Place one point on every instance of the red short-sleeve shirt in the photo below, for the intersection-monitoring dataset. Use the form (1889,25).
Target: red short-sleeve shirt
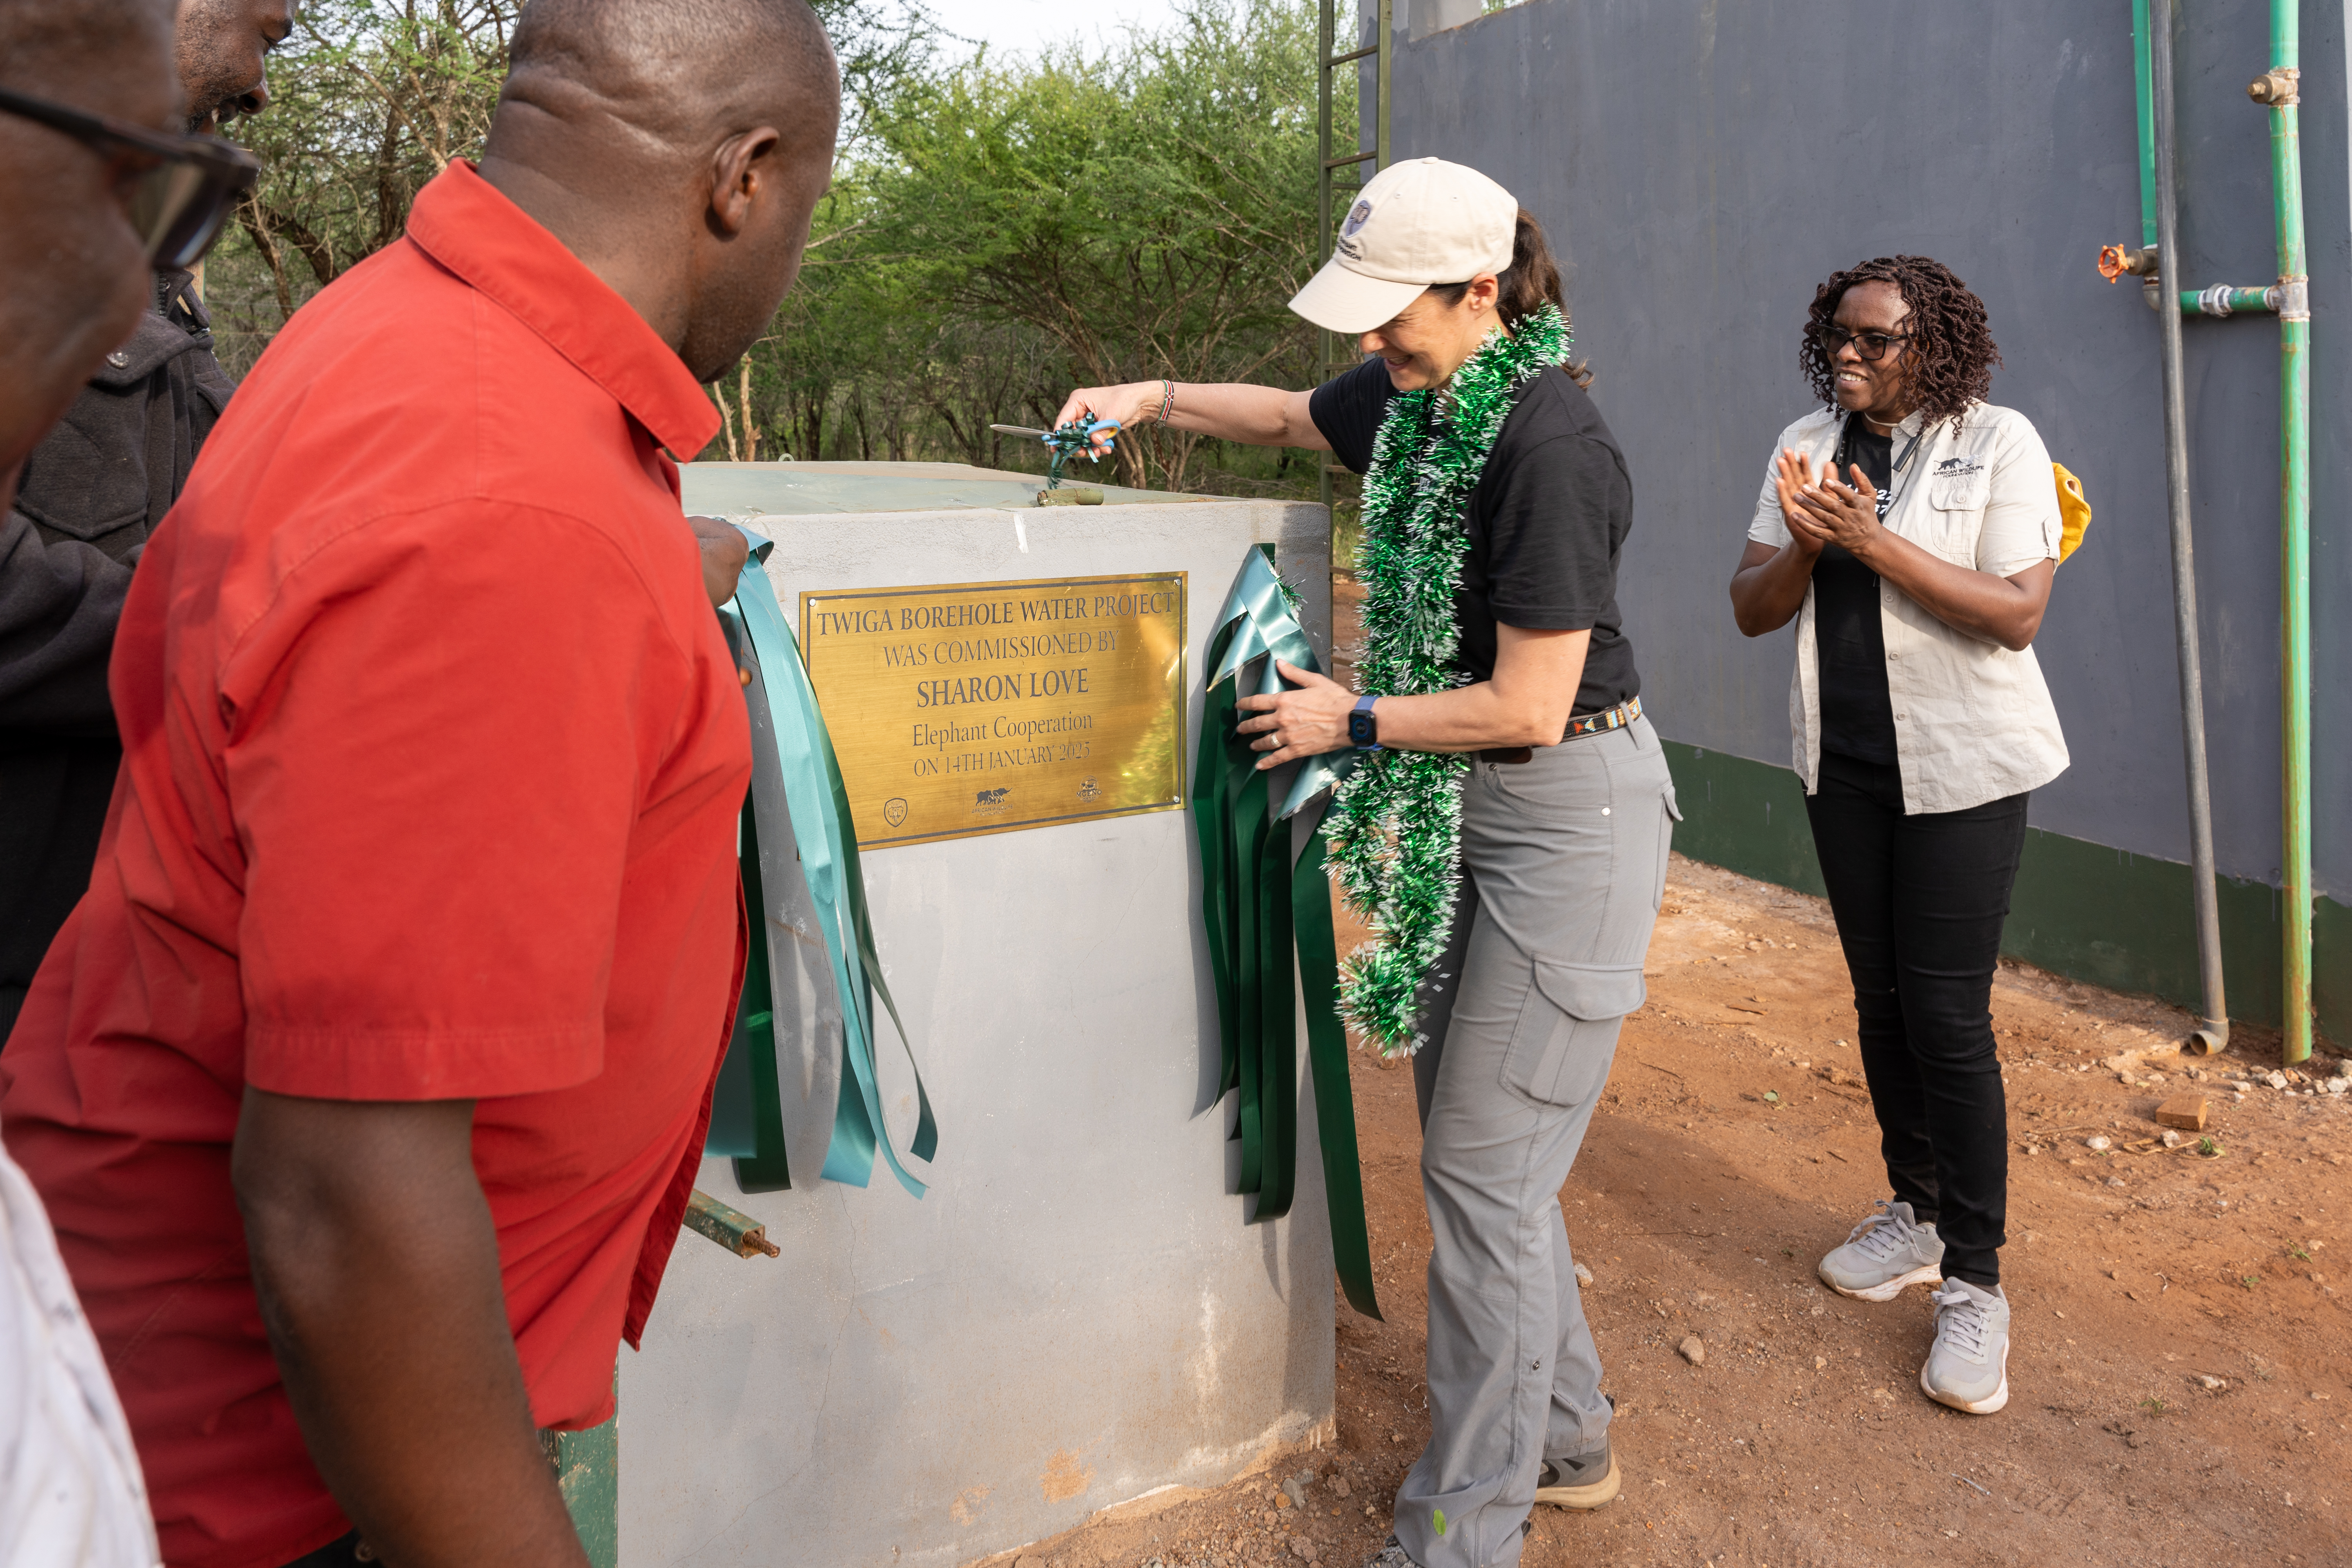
(433,754)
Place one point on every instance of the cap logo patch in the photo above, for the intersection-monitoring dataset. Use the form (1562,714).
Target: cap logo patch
(1358,216)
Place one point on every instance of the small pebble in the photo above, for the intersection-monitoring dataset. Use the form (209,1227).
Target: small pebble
(1693,1351)
(2211,1384)
(2099,1144)
(1583,1275)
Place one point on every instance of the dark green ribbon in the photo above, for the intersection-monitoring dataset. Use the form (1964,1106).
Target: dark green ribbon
(808,803)
(1258,908)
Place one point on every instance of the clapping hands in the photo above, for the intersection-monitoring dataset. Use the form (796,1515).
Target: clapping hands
(1821,509)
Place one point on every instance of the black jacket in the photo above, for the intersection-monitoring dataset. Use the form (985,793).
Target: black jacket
(91,492)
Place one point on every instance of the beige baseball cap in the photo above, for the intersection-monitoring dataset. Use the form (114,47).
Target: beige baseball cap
(1414,224)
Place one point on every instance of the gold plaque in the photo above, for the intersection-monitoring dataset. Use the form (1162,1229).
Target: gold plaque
(972,708)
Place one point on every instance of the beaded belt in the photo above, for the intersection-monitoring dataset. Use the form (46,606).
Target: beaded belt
(1607,719)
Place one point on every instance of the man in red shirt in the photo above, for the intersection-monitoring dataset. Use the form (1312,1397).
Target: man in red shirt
(366,1083)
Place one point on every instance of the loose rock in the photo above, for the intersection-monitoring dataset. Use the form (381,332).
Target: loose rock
(1339,1486)
(1693,1351)
(1302,1549)
(2211,1384)
(1583,1275)
(2099,1143)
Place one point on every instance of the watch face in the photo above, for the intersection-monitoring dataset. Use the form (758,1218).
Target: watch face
(1361,727)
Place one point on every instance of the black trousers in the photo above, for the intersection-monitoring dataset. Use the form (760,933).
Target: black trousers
(1920,902)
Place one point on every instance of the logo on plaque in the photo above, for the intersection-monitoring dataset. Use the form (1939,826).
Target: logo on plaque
(972,708)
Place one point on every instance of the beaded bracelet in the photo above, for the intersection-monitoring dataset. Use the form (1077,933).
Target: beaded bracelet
(1167,400)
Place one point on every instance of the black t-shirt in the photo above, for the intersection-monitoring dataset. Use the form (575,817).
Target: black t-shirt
(1546,521)
(1849,638)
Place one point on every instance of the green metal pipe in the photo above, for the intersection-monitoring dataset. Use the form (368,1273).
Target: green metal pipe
(2222,299)
(2146,124)
(2295,518)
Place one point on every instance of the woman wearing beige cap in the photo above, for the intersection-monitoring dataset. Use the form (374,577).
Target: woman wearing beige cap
(1505,831)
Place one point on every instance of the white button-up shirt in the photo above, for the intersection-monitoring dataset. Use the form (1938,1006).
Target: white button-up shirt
(1973,722)
(70,1494)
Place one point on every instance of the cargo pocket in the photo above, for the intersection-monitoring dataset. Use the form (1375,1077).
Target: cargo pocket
(1567,1030)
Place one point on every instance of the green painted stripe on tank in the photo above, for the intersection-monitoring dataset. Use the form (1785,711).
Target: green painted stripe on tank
(2082,910)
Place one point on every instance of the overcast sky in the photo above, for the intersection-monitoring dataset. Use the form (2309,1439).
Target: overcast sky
(1021,27)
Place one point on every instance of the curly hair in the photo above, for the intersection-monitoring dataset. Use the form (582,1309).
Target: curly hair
(1950,355)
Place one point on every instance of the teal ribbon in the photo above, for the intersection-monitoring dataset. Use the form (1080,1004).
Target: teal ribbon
(1258,908)
(1259,623)
(814,812)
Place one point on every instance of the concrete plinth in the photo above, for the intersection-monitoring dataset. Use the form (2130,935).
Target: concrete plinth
(1076,1313)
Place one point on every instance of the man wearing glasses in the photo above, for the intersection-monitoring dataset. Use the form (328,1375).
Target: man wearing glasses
(93,489)
(94,203)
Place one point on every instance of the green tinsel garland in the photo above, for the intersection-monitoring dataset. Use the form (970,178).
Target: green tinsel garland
(1395,824)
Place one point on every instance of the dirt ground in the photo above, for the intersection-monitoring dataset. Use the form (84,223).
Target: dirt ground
(2180,1382)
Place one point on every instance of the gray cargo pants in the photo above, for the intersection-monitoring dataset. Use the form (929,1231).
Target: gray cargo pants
(1565,863)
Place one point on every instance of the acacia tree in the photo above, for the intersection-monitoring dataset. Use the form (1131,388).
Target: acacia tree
(372,99)
(1144,211)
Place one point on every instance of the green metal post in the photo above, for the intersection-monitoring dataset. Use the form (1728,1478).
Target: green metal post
(2146,124)
(2295,521)
(588,1473)
(1380,112)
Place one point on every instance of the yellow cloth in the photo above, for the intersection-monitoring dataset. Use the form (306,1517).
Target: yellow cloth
(2074,511)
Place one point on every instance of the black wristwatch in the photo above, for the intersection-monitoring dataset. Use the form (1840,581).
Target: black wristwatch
(1364,725)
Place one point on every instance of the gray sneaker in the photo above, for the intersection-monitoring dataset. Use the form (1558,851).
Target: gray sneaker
(1586,1481)
(1389,1556)
(1968,1368)
(1883,1255)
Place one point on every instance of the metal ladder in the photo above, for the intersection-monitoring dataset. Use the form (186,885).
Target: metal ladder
(1330,358)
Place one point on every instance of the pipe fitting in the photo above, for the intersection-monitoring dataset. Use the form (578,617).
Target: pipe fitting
(2279,89)
(2291,297)
(2215,302)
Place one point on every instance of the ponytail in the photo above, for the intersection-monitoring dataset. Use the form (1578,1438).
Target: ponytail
(1529,283)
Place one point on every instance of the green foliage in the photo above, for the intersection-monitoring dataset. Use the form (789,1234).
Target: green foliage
(997,233)
(369,100)
(1007,232)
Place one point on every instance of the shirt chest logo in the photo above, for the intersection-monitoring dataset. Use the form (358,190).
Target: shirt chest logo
(1958,468)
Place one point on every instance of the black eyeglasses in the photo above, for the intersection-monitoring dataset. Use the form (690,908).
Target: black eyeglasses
(185,195)
(1872,346)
